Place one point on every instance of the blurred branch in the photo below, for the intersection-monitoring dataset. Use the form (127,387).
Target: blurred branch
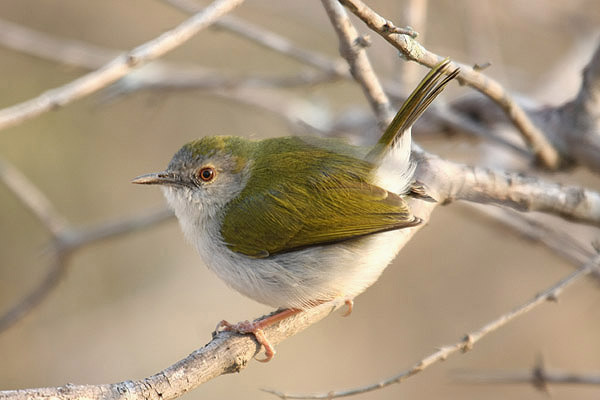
(412,50)
(270,40)
(560,242)
(538,376)
(117,68)
(34,298)
(352,49)
(65,239)
(415,16)
(32,198)
(465,344)
(161,75)
(575,125)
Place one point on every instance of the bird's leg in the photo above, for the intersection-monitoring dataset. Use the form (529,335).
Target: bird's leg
(350,306)
(257,329)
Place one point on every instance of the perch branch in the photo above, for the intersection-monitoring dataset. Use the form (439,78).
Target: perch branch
(116,68)
(225,353)
(412,50)
(465,344)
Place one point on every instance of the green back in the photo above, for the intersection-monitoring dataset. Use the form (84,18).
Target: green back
(308,191)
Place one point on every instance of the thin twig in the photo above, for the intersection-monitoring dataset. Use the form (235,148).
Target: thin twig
(360,66)
(34,298)
(163,75)
(65,239)
(412,50)
(560,242)
(270,40)
(77,238)
(465,344)
(117,68)
(534,377)
(33,198)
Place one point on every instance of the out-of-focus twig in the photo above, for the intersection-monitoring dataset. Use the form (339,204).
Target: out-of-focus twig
(415,16)
(412,50)
(539,376)
(65,239)
(560,242)
(465,344)
(270,40)
(32,197)
(117,68)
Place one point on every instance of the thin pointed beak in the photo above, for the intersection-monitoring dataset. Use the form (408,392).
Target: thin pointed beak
(160,178)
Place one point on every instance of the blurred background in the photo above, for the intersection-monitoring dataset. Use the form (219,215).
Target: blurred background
(128,307)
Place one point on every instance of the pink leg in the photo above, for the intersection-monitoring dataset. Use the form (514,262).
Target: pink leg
(350,304)
(257,329)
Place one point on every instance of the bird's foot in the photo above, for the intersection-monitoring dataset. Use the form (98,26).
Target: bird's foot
(350,306)
(256,328)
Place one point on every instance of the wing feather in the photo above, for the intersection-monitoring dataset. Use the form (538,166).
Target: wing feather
(302,195)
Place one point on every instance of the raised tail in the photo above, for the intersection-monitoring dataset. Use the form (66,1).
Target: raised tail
(420,98)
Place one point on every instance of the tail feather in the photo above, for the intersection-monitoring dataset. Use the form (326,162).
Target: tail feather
(414,106)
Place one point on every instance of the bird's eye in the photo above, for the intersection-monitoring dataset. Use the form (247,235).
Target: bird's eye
(206,174)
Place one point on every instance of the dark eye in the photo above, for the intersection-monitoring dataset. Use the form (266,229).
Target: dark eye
(206,174)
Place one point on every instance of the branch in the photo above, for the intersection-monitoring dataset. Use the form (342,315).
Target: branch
(117,68)
(65,239)
(360,67)
(538,377)
(564,244)
(465,344)
(576,124)
(453,181)
(226,353)
(271,40)
(412,50)
(32,198)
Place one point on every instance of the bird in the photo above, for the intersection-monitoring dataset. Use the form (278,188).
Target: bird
(297,221)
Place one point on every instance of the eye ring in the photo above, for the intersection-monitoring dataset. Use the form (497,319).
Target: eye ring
(206,174)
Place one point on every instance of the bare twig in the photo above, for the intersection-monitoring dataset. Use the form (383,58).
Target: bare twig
(559,241)
(576,124)
(412,50)
(415,16)
(34,298)
(534,377)
(464,344)
(360,67)
(117,68)
(270,40)
(32,197)
(538,376)
(65,239)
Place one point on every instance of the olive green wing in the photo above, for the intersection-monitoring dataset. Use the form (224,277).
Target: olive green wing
(310,198)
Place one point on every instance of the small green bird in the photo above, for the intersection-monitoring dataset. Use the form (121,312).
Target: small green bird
(293,222)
